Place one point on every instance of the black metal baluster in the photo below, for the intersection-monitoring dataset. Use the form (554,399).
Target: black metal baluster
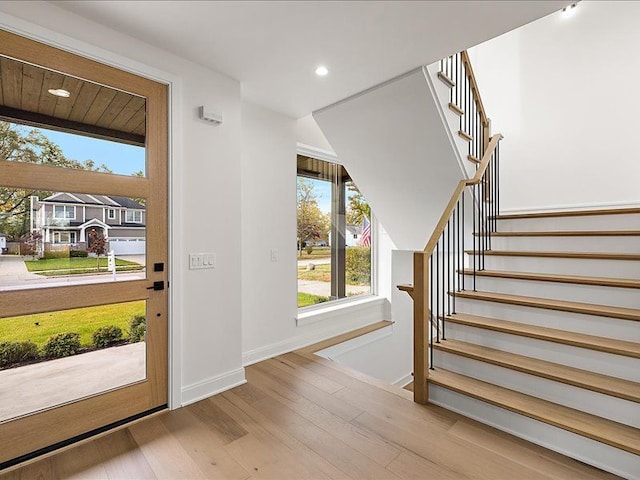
(464,191)
(475,235)
(431,287)
(437,293)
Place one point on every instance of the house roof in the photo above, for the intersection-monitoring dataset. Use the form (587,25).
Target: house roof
(354,229)
(100,200)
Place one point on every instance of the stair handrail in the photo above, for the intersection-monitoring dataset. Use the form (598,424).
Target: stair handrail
(477,178)
(474,87)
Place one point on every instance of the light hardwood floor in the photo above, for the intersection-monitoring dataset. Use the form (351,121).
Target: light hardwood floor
(304,417)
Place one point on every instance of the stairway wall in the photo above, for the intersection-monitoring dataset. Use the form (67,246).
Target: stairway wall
(564,93)
(394,143)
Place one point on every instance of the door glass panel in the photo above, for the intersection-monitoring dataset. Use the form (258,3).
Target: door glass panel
(63,238)
(48,359)
(63,121)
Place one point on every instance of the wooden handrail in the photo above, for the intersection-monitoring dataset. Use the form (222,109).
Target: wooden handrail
(474,87)
(477,178)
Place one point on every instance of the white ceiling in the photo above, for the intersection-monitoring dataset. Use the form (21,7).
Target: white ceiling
(273,47)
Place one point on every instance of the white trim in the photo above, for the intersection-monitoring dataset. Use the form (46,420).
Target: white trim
(294,343)
(65,193)
(335,351)
(318,153)
(330,309)
(571,208)
(133,212)
(212,386)
(403,381)
(109,210)
(60,40)
(65,207)
(94,221)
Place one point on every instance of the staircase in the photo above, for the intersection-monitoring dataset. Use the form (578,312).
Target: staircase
(530,322)
(551,335)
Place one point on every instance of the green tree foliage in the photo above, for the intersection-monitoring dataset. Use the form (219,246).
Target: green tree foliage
(312,223)
(30,147)
(357,208)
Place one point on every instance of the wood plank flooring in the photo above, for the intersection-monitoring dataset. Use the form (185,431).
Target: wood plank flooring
(304,417)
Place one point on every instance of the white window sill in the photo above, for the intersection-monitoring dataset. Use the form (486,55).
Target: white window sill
(318,314)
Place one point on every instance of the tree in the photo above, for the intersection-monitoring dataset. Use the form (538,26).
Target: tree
(30,147)
(97,244)
(358,208)
(312,223)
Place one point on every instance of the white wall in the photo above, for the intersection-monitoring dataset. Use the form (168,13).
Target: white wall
(269,318)
(564,91)
(205,199)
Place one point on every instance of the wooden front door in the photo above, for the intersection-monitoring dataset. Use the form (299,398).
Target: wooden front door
(62,392)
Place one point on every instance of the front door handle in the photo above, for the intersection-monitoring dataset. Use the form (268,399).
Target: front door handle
(159,285)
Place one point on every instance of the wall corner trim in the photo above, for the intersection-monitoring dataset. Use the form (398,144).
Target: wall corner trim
(212,386)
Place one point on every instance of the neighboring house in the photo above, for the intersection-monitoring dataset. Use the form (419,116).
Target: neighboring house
(353,235)
(65,219)
(3,242)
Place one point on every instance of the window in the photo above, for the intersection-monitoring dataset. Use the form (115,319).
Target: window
(333,235)
(133,216)
(64,237)
(111,214)
(65,212)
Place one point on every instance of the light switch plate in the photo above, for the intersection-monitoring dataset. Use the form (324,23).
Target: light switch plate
(199,261)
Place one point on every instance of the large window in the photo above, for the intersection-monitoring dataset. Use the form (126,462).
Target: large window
(133,216)
(334,234)
(65,212)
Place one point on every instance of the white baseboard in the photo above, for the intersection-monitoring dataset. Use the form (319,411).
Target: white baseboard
(404,381)
(570,208)
(212,386)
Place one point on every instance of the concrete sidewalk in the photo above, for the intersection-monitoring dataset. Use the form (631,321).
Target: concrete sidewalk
(43,385)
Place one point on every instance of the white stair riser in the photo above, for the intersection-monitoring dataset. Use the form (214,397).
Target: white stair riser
(588,222)
(599,362)
(589,451)
(614,296)
(602,405)
(563,266)
(608,244)
(619,329)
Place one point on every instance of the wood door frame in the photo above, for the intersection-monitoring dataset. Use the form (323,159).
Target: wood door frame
(24,175)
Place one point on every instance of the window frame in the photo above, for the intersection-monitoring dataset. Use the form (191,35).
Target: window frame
(111,213)
(134,213)
(57,237)
(65,209)
(329,157)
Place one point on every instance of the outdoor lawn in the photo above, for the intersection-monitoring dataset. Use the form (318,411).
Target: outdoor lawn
(322,273)
(76,265)
(39,327)
(306,299)
(317,252)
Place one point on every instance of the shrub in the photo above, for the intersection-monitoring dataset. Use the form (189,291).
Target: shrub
(17,352)
(78,254)
(106,336)
(137,328)
(54,254)
(358,265)
(62,345)
(309,249)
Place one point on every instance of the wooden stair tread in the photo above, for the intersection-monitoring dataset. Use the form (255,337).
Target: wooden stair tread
(589,255)
(606,431)
(473,159)
(561,373)
(446,80)
(568,233)
(456,109)
(591,342)
(552,304)
(465,136)
(571,213)
(549,277)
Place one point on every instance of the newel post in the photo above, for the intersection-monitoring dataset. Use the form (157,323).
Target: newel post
(421,325)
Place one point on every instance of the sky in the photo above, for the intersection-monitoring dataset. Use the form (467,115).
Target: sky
(322,191)
(118,157)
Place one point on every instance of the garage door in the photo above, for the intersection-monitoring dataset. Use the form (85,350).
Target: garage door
(128,246)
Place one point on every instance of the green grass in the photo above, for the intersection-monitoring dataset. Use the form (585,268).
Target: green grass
(69,266)
(322,273)
(80,320)
(318,252)
(306,299)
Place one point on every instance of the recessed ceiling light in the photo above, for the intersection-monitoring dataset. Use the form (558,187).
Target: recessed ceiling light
(569,10)
(59,92)
(321,71)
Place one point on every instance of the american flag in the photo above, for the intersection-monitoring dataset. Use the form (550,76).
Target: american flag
(365,239)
